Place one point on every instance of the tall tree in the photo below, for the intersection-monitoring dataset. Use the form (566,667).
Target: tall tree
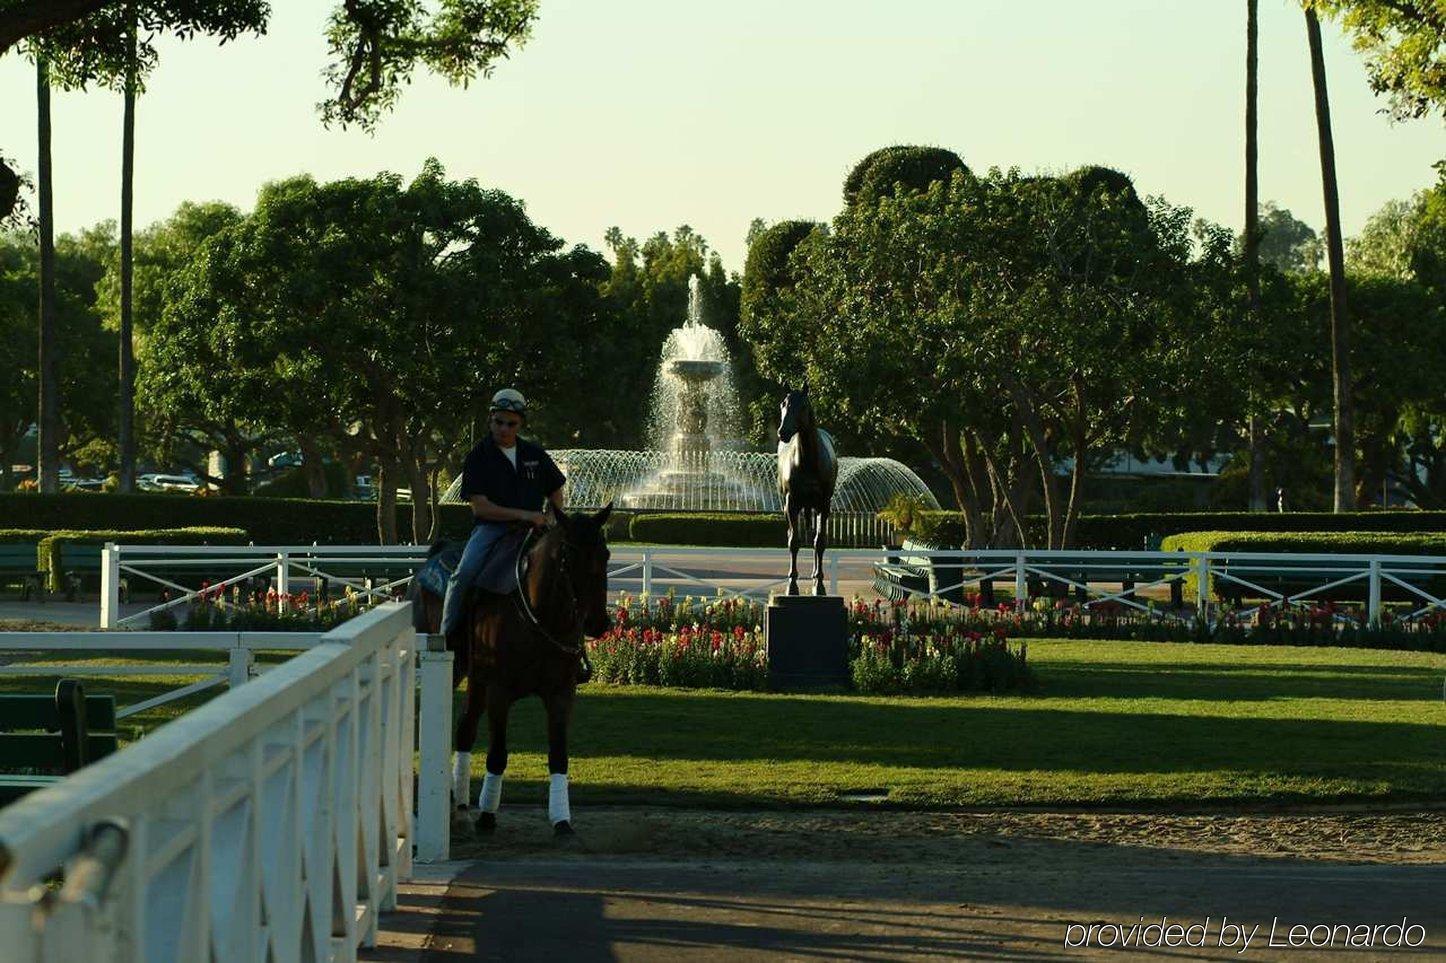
(1404,42)
(1345,436)
(48,423)
(1252,227)
(125,434)
(375,45)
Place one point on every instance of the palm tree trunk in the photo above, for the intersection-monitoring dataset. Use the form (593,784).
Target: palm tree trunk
(1345,482)
(1252,233)
(126,441)
(48,442)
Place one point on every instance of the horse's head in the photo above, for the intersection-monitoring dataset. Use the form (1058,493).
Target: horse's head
(584,542)
(794,414)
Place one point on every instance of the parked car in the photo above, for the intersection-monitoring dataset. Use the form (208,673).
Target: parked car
(284,459)
(167,483)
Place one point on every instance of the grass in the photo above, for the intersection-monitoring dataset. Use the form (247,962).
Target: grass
(1114,723)
(1135,724)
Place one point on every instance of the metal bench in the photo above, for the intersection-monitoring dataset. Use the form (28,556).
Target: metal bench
(55,735)
(18,563)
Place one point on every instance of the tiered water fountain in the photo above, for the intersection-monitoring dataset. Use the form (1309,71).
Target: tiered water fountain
(696,463)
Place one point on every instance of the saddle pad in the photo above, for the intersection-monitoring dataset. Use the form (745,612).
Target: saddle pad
(498,573)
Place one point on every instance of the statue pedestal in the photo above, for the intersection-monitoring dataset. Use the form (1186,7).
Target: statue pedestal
(807,638)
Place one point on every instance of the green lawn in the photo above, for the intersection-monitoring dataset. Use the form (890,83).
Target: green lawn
(1127,723)
(1113,723)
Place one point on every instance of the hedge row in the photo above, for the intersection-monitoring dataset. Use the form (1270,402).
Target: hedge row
(50,550)
(270,521)
(742,531)
(1149,530)
(1345,543)
(1307,543)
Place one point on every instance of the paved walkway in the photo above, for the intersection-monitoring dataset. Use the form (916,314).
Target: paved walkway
(1015,893)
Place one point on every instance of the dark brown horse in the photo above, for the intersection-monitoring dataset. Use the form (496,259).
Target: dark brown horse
(524,644)
(807,474)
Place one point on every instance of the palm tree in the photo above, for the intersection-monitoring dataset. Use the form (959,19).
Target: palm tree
(48,441)
(1340,321)
(126,441)
(1252,229)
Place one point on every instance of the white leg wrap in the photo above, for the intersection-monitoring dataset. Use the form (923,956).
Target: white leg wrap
(558,810)
(491,795)
(461,777)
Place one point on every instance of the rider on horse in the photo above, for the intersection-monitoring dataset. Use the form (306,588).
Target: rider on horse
(507,480)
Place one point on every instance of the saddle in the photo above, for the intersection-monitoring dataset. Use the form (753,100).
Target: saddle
(498,574)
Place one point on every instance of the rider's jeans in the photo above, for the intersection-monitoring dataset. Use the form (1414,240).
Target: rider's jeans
(484,536)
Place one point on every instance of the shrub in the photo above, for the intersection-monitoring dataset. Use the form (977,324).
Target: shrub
(50,558)
(740,530)
(271,521)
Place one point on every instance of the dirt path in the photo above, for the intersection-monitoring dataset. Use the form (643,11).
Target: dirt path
(658,884)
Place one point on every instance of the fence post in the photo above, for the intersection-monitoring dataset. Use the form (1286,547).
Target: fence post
(1373,604)
(434,735)
(283,580)
(109,586)
(1021,584)
(1202,585)
(647,572)
(833,575)
(238,667)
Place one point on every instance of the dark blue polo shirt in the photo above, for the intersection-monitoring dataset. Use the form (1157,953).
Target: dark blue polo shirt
(488,472)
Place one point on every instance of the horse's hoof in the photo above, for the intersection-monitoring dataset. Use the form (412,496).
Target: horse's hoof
(584,674)
(563,828)
(487,823)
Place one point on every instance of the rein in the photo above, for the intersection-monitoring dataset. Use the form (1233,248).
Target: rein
(520,599)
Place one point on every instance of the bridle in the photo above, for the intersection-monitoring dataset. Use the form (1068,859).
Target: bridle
(520,598)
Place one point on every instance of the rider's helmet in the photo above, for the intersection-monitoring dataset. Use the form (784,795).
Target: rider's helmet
(509,399)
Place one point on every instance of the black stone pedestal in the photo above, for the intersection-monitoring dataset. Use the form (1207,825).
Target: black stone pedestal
(807,638)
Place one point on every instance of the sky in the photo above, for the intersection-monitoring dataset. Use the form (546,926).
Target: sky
(648,114)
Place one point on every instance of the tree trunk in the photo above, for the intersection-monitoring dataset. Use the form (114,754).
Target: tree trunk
(126,442)
(386,489)
(312,468)
(1038,437)
(1252,235)
(235,452)
(1345,453)
(423,522)
(48,442)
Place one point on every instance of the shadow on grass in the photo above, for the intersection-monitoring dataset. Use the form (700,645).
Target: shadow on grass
(982,734)
(1237,681)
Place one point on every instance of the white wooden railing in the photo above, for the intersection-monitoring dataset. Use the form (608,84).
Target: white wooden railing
(755,572)
(272,823)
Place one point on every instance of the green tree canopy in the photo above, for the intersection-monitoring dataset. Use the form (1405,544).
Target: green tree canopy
(1404,43)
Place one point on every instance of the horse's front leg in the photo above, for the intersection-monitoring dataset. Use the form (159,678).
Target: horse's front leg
(490,798)
(792,550)
(464,738)
(559,717)
(820,542)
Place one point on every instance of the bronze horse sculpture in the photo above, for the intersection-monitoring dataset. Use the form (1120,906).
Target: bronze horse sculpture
(807,474)
(523,644)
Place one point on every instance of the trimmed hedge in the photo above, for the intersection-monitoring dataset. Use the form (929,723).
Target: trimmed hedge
(1148,530)
(736,530)
(1346,543)
(50,551)
(270,521)
(22,536)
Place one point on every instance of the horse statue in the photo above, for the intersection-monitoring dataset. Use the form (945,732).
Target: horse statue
(527,643)
(807,474)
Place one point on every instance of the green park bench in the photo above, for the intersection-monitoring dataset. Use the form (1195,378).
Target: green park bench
(18,564)
(49,737)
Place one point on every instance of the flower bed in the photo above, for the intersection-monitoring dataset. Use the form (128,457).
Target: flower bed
(1324,624)
(690,642)
(232,610)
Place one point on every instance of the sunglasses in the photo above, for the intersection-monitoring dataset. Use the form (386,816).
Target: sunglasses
(507,404)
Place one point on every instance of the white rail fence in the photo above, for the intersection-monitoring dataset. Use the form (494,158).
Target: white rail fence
(272,823)
(1210,580)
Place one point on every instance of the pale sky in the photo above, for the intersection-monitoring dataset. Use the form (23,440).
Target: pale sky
(648,114)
